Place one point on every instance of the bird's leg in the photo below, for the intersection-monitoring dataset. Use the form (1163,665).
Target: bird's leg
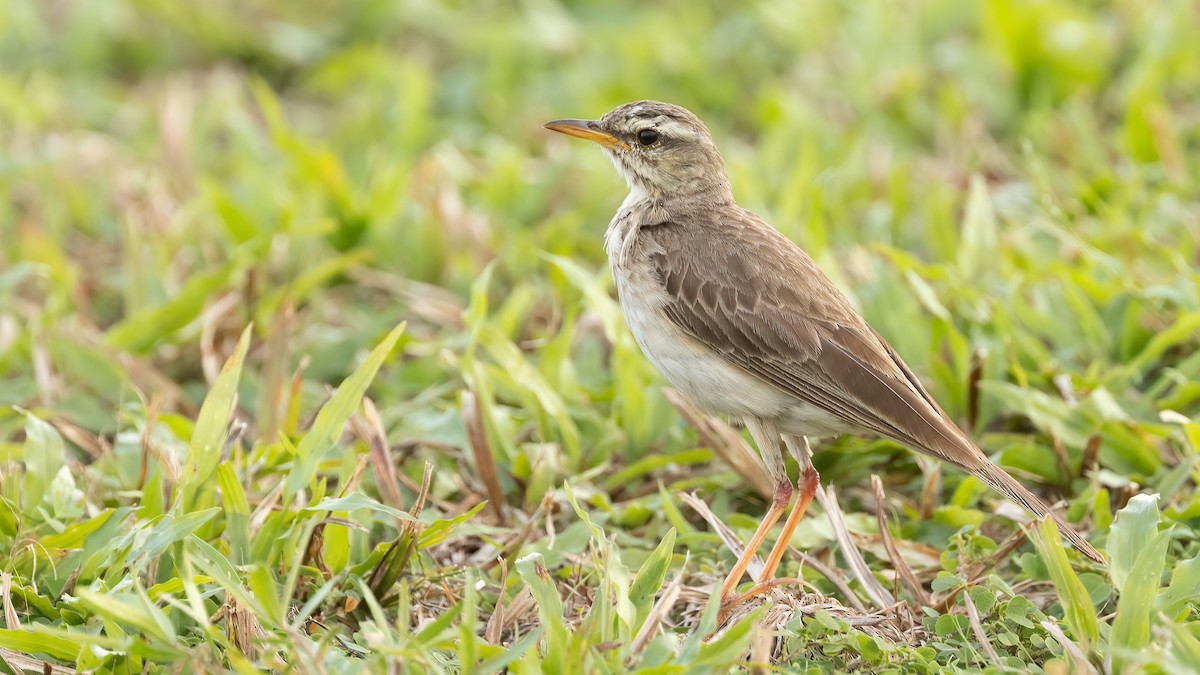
(808,482)
(767,438)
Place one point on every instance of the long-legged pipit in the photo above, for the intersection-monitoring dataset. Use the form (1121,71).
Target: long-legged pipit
(743,322)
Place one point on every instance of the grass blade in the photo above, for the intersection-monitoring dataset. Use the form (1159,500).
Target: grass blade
(649,579)
(1077,605)
(208,436)
(533,572)
(325,430)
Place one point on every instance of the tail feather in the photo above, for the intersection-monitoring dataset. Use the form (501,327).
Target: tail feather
(999,480)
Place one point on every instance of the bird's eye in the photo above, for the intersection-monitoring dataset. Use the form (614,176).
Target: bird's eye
(647,136)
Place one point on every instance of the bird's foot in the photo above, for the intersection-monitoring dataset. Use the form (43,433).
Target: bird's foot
(730,603)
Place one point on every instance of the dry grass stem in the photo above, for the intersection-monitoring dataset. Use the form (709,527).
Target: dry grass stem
(898,563)
(368,427)
(731,540)
(1078,659)
(481,451)
(828,499)
(980,633)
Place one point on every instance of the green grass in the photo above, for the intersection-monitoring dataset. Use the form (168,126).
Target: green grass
(221,450)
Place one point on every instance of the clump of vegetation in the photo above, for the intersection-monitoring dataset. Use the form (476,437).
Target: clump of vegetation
(310,358)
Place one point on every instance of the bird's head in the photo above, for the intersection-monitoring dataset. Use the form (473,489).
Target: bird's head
(661,149)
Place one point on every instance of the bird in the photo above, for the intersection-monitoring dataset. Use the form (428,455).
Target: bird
(743,323)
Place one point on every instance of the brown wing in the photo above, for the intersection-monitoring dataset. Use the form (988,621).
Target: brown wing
(736,290)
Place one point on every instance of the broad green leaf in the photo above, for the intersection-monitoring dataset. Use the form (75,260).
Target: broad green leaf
(1192,432)
(532,570)
(467,644)
(1103,513)
(584,516)
(692,645)
(613,593)
(1047,413)
(265,589)
(212,559)
(637,412)
(355,501)
(172,528)
(498,663)
(141,331)
(232,493)
(327,427)
(237,512)
(649,578)
(475,316)
(337,546)
(44,455)
(648,464)
(41,604)
(9,520)
(594,287)
(666,502)
(440,529)
(174,586)
(129,611)
(1184,647)
(1139,553)
(926,295)
(729,648)
(1078,612)
(32,641)
(75,534)
(153,502)
(1185,327)
(1184,587)
(1131,535)
(208,436)
(240,225)
(528,383)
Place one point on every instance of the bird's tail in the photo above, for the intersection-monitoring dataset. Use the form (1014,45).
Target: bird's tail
(999,480)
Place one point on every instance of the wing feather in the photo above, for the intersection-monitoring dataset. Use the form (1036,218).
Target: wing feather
(807,341)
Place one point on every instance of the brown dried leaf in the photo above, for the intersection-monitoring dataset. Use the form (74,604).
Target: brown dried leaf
(274,371)
(11,620)
(19,662)
(481,450)
(242,627)
(495,624)
(368,426)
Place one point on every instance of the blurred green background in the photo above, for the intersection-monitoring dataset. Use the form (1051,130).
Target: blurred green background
(1007,190)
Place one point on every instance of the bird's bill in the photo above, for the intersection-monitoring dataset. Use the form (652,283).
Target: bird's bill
(584,129)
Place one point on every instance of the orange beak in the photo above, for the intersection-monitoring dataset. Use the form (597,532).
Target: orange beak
(586,129)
